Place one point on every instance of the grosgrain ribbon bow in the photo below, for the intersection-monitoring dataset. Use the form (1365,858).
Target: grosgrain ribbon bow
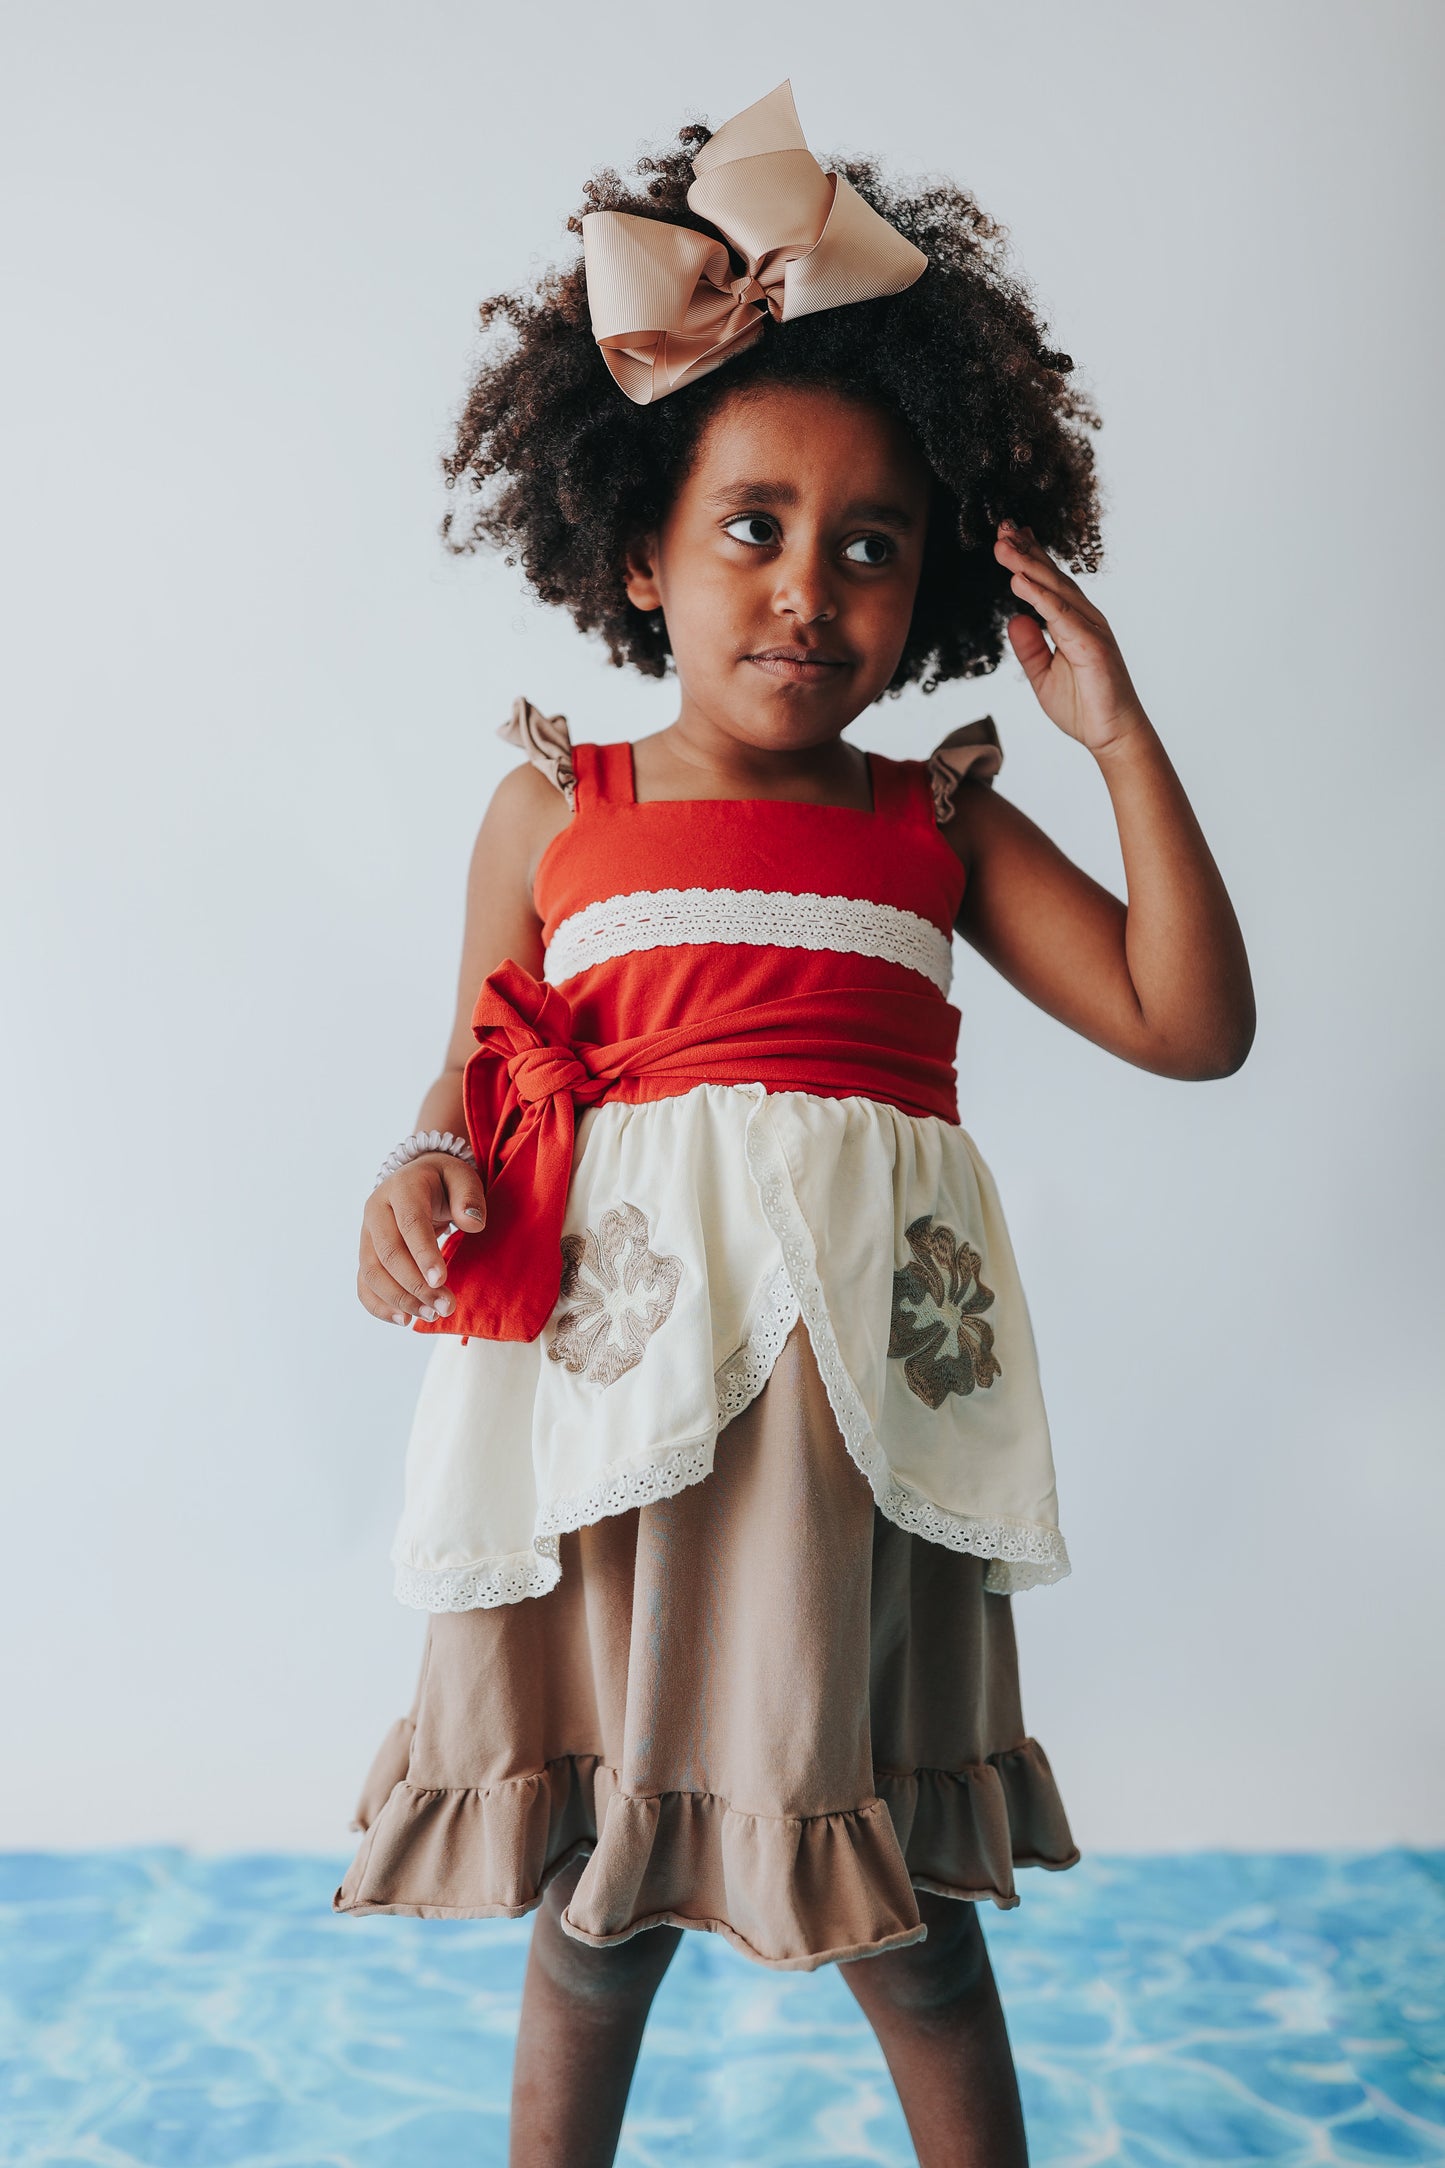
(666,303)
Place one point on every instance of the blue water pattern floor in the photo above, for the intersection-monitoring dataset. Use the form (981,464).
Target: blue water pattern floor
(180,2012)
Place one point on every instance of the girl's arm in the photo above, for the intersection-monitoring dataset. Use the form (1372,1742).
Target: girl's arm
(1163,981)
(401,1271)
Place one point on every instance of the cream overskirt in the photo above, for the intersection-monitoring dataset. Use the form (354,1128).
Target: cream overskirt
(699,1229)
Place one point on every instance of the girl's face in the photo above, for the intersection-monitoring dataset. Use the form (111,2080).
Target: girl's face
(787,564)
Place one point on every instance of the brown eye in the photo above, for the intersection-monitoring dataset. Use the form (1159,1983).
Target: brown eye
(869,549)
(760,530)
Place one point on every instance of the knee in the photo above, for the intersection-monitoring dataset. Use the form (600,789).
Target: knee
(587,1978)
(932,1975)
(614,1974)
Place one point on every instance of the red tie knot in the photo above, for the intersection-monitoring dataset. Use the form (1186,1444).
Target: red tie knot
(540,1072)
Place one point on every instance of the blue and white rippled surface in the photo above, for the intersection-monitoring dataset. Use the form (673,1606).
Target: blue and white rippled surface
(178,2012)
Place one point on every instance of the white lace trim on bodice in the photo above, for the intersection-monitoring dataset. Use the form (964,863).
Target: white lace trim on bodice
(762,917)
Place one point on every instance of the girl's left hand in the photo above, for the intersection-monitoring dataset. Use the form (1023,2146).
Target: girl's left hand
(1081,683)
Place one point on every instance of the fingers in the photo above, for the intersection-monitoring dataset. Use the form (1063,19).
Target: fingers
(464,1194)
(384,1295)
(1052,608)
(1034,655)
(1042,583)
(402,1272)
(419,1263)
(400,1255)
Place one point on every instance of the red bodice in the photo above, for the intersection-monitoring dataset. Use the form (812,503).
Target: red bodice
(615,848)
(799,947)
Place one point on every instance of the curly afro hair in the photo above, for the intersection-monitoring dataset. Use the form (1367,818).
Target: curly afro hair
(563,471)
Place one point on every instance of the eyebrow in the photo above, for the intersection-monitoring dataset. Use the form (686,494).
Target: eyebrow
(765,495)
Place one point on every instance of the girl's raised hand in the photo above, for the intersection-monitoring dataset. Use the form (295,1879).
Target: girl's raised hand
(1081,683)
(402,1272)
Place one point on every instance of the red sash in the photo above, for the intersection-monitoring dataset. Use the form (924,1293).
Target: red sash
(525,1082)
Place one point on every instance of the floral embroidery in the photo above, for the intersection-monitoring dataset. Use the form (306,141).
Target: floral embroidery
(944,1344)
(616,1292)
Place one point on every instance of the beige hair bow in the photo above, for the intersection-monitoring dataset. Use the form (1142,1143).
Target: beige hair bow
(666,304)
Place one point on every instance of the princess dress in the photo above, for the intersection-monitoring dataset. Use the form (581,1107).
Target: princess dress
(719,1561)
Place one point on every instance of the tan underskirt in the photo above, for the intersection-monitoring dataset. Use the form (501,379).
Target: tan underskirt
(760,1707)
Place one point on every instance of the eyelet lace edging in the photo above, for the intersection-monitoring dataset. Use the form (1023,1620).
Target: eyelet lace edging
(742,1377)
(479,1588)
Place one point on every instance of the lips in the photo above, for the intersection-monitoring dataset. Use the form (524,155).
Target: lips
(803,664)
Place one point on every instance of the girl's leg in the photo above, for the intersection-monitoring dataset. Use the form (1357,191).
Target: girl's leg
(583,2011)
(940,2024)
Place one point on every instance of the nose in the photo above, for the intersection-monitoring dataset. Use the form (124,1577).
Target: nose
(805,590)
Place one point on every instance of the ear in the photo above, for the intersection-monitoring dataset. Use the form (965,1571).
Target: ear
(640,573)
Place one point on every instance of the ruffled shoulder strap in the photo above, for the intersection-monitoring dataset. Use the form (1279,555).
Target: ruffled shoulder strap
(972,752)
(546,742)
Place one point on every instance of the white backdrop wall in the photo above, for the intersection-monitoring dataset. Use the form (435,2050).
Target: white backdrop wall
(250,713)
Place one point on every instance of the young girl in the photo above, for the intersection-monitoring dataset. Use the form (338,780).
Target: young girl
(732,1452)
